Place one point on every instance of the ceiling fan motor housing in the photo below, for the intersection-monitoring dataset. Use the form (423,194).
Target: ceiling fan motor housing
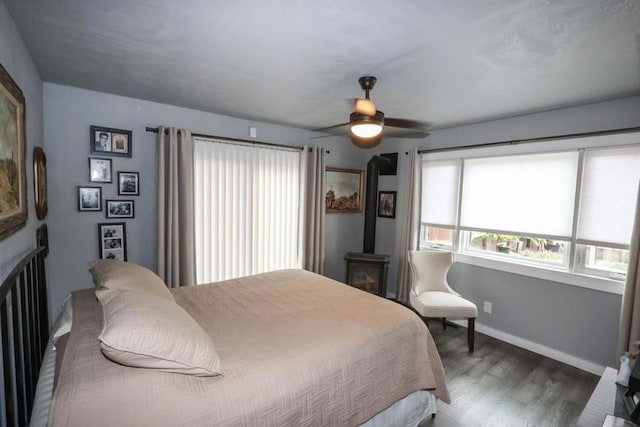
(367,83)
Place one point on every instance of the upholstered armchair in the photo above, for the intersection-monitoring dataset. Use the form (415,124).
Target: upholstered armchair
(431,296)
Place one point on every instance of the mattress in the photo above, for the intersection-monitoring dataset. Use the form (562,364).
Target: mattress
(296,349)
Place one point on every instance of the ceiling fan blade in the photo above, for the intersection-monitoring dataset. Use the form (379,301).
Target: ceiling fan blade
(404,123)
(364,106)
(330,129)
(345,133)
(394,132)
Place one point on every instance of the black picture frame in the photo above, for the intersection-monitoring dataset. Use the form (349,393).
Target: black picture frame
(387,204)
(100,170)
(390,167)
(112,240)
(89,199)
(110,142)
(128,183)
(119,208)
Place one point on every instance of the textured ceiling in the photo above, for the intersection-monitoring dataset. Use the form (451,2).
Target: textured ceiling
(297,62)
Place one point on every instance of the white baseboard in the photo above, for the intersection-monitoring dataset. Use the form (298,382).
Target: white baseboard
(549,352)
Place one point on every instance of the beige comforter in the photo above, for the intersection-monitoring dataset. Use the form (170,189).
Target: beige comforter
(296,349)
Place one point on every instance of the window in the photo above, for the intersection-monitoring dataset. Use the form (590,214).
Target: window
(517,248)
(247,208)
(436,237)
(569,210)
(439,205)
(608,203)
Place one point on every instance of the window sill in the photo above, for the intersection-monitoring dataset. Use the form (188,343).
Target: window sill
(540,272)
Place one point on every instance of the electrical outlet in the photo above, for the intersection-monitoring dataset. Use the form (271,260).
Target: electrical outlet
(488,306)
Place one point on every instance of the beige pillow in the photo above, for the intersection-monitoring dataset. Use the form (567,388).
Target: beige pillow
(114,274)
(144,331)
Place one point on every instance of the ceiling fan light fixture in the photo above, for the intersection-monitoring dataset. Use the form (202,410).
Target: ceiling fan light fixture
(366,130)
(366,126)
(366,142)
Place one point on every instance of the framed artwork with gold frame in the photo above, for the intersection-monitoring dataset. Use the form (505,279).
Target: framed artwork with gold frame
(40,182)
(344,190)
(13,178)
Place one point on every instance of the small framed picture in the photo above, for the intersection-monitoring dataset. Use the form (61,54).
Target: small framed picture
(89,199)
(387,204)
(120,208)
(99,170)
(110,142)
(128,183)
(112,240)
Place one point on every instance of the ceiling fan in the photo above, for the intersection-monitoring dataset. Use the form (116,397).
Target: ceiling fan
(367,125)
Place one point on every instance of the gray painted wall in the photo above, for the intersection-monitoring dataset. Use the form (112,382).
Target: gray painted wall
(68,113)
(578,321)
(343,231)
(556,315)
(15,58)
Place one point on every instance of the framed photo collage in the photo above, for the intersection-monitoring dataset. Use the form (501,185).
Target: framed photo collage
(105,146)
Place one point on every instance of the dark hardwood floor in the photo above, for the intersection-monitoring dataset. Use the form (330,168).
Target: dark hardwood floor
(503,385)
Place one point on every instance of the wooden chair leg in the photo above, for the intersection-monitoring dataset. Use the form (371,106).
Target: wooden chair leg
(471,326)
(444,323)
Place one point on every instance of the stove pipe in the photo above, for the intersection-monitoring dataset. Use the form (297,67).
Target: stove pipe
(373,171)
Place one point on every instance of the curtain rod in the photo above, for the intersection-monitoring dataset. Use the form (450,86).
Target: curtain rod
(530,140)
(223,138)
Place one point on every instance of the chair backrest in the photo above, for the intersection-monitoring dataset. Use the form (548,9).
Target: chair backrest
(429,270)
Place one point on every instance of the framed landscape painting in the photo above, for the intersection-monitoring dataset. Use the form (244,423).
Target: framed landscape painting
(344,190)
(13,179)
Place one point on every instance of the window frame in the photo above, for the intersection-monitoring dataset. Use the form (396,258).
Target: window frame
(575,272)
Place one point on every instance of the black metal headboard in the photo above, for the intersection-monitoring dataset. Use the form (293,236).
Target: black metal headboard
(24,333)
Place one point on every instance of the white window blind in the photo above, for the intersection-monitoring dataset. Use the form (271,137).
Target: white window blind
(609,190)
(247,210)
(440,180)
(527,194)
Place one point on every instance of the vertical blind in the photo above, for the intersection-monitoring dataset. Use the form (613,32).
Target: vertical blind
(440,192)
(609,187)
(527,194)
(247,202)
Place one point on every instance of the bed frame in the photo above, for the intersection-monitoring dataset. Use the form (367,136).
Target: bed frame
(24,333)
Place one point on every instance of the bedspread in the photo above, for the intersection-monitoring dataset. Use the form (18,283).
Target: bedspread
(296,349)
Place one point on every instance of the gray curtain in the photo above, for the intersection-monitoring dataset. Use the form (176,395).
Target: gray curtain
(175,254)
(410,222)
(314,209)
(630,311)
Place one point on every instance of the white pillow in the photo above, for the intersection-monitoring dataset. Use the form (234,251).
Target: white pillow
(144,331)
(114,274)
(62,325)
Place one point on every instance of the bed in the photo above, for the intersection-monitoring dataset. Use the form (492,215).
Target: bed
(294,348)
(24,331)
